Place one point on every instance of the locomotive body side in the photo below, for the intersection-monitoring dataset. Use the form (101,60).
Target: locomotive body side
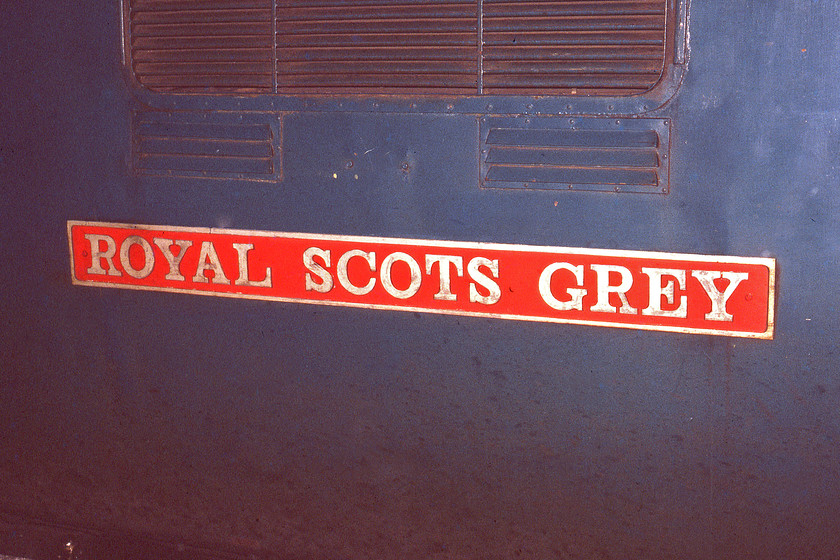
(143,422)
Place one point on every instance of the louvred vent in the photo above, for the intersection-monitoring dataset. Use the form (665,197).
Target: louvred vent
(572,48)
(375,46)
(483,47)
(203,46)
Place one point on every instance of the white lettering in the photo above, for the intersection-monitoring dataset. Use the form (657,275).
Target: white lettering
(707,280)
(657,290)
(478,277)
(414,282)
(97,255)
(344,280)
(575,294)
(326,283)
(148,257)
(209,260)
(445,263)
(243,280)
(602,272)
(174,261)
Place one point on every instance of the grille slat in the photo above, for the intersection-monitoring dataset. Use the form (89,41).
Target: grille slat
(200,16)
(183,56)
(554,81)
(625,67)
(143,45)
(202,68)
(347,69)
(571,175)
(564,9)
(559,138)
(372,12)
(203,29)
(583,37)
(381,25)
(569,157)
(196,5)
(374,80)
(183,82)
(560,24)
(375,52)
(573,53)
(537,47)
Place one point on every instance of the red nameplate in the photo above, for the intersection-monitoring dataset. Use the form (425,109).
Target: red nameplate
(701,294)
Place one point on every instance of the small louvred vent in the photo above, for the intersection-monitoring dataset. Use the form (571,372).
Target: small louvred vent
(214,146)
(450,47)
(629,155)
(203,46)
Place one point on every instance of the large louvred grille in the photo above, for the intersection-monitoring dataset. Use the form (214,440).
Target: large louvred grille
(199,46)
(452,47)
(572,48)
(374,46)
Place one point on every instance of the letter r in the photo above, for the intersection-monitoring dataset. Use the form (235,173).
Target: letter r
(97,255)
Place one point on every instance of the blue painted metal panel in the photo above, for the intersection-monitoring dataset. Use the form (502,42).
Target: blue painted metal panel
(239,427)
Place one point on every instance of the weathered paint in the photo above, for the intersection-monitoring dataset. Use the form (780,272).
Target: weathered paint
(145,424)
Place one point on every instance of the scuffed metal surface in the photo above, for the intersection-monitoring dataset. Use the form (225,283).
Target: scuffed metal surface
(291,433)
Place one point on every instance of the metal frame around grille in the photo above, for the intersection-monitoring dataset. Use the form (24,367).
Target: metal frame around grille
(561,48)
